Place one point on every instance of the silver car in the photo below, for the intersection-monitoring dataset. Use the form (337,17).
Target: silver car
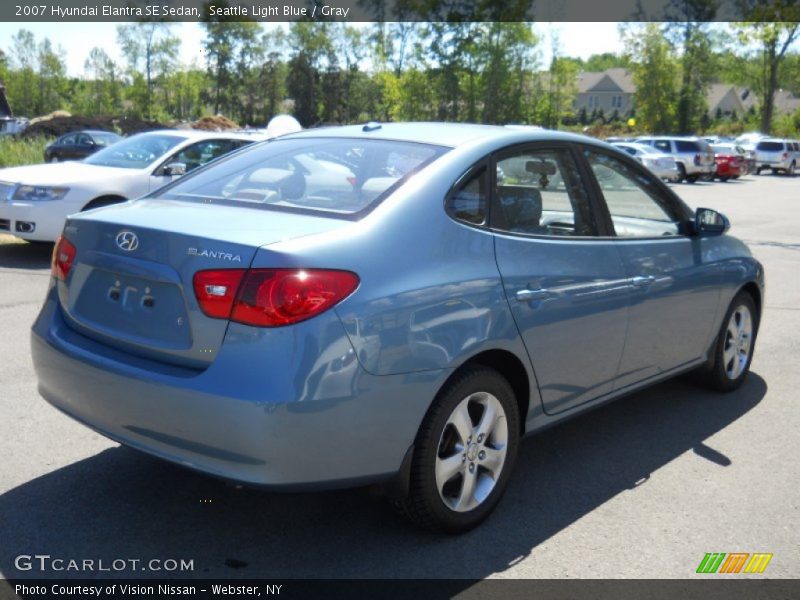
(694,156)
(661,164)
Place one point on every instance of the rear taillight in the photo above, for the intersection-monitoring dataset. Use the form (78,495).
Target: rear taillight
(271,297)
(785,156)
(216,291)
(63,258)
(697,159)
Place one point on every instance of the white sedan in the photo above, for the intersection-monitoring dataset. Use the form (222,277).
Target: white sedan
(661,164)
(35,200)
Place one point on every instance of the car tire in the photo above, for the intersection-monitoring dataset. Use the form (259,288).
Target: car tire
(724,179)
(462,464)
(791,170)
(692,178)
(681,173)
(53,159)
(729,361)
(758,170)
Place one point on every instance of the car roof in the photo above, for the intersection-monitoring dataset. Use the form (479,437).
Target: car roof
(96,131)
(199,134)
(688,138)
(440,134)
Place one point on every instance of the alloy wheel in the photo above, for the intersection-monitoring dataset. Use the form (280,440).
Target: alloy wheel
(472,451)
(738,342)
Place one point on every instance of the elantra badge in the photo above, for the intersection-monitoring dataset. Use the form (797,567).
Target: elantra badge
(127,240)
(214,254)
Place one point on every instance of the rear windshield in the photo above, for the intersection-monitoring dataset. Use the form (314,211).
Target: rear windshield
(770,146)
(136,152)
(334,176)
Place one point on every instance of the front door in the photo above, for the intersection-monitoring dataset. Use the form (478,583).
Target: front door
(567,288)
(674,281)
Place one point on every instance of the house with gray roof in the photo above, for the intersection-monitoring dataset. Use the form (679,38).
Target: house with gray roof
(610,90)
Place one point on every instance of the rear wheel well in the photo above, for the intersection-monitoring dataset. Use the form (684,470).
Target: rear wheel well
(104,201)
(510,367)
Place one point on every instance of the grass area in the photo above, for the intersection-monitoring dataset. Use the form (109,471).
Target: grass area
(15,151)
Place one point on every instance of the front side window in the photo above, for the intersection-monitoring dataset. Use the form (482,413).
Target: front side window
(539,192)
(68,140)
(336,176)
(637,207)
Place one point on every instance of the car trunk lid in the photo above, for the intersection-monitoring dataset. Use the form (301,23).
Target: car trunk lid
(131,284)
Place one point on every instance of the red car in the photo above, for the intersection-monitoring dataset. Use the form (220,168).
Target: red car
(730,164)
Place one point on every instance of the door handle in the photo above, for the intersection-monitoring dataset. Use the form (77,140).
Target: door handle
(642,280)
(532,295)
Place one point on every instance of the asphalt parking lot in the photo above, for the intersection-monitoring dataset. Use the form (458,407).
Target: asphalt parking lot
(641,488)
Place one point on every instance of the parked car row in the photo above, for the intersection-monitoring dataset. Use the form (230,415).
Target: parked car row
(712,158)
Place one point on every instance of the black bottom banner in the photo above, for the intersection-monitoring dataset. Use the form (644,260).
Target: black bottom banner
(507,589)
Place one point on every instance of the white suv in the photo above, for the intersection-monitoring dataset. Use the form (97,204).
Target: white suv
(694,156)
(777,155)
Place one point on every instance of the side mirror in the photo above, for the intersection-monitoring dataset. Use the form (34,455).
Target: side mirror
(174,169)
(709,221)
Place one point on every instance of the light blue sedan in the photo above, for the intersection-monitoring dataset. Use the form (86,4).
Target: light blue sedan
(395,304)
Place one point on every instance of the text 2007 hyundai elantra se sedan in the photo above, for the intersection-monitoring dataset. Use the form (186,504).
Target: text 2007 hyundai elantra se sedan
(394,303)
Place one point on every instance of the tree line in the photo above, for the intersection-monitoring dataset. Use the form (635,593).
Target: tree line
(328,73)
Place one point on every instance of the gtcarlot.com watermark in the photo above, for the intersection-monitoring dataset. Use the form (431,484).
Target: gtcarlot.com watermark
(45,563)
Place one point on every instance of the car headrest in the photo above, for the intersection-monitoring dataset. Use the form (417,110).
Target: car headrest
(522,206)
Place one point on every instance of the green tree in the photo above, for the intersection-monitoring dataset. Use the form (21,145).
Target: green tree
(151,52)
(310,43)
(690,33)
(772,36)
(654,69)
(22,83)
(102,95)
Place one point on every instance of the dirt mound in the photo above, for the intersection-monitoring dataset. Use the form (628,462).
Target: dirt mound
(215,123)
(48,117)
(54,126)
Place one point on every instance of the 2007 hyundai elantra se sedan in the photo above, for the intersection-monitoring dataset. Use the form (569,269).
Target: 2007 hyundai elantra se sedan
(394,304)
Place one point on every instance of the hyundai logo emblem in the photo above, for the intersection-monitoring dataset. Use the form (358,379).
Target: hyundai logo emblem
(127,240)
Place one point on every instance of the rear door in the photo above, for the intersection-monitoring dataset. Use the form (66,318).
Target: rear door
(674,280)
(566,286)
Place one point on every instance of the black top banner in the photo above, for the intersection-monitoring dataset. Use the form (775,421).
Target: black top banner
(399,10)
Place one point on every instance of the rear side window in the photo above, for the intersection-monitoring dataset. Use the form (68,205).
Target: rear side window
(686,146)
(334,176)
(770,146)
(467,202)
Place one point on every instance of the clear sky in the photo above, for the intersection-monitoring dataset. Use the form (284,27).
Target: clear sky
(77,39)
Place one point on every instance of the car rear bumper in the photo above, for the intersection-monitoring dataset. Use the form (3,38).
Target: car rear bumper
(327,424)
(774,164)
